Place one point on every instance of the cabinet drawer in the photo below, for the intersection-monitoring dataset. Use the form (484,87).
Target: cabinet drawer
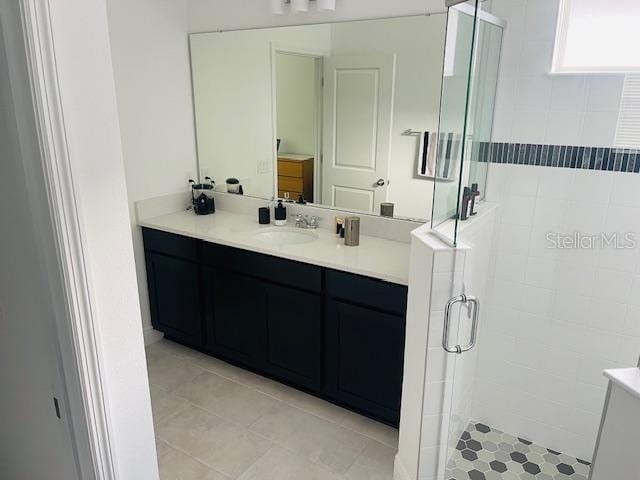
(290,184)
(170,244)
(274,269)
(290,169)
(367,291)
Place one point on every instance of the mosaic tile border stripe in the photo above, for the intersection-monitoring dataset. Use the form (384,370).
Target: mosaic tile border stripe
(561,156)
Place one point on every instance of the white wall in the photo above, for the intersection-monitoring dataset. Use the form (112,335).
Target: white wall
(206,16)
(87,95)
(534,107)
(34,443)
(234,114)
(418,43)
(296,103)
(153,87)
(557,318)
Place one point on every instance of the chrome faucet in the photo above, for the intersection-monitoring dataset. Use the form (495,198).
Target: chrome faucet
(306,221)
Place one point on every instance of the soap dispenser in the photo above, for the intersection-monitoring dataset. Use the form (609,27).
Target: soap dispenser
(280,214)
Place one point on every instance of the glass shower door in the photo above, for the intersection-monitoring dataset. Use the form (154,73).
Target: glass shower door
(439,422)
(472,55)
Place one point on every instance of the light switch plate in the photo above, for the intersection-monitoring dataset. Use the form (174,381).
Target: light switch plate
(264,165)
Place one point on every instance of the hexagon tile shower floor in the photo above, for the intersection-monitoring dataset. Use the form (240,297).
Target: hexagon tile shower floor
(483,453)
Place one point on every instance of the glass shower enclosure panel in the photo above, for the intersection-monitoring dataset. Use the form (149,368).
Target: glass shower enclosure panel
(473,50)
(454,105)
(483,94)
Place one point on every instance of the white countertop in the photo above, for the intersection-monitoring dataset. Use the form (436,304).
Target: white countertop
(626,378)
(294,156)
(374,257)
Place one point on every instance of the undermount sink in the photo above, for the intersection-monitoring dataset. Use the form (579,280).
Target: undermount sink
(286,236)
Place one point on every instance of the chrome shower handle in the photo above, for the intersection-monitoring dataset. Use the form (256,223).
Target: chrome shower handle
(475,303)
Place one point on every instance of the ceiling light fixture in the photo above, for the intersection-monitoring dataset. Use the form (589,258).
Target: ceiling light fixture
(300,6)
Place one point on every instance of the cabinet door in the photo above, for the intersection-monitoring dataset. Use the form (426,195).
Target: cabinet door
(237,322)
(294,336)
(365,349)
(174,297)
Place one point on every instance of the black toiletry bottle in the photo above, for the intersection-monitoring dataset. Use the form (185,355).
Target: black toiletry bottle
(264,216)
(280,214)
(475,193)
(466,198)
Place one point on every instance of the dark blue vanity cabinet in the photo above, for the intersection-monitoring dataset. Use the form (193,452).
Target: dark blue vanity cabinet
(173,278)
(337,335)
(365,333)
(265,312)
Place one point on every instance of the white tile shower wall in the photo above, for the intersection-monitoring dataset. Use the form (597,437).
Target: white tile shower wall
(557,317)
(535,107)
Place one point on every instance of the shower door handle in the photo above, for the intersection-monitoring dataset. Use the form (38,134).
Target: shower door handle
(475,304)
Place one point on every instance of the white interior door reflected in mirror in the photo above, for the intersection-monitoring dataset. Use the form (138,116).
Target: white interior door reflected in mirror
(358,110)
(320,111)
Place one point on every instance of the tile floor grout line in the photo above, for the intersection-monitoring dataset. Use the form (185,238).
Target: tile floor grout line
(253,387)
(257,434)
(188,455)
(355,460)
(248,428)
(257,460)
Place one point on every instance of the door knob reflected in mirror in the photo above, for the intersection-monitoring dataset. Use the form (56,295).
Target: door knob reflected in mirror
(380,183)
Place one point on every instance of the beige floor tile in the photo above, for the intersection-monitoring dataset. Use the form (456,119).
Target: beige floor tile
(228,399)
(165,405)
(304,401)
(378,431)
(223,446)
(162,448)
(280,464)
(168,372)
(319,440)
(375,463)
(229,371)
(173,348)
(175,465)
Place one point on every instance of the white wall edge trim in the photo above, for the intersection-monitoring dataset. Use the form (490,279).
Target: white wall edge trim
(63,209)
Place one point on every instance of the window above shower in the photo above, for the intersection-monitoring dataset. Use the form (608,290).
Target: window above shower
(593,36)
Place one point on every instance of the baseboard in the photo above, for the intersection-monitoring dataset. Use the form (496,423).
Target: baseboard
(151,335)
(399,470)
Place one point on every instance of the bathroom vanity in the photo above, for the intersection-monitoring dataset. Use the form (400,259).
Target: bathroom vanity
(333,333)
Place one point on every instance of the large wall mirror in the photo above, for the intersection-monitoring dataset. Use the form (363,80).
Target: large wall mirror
(344,115)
